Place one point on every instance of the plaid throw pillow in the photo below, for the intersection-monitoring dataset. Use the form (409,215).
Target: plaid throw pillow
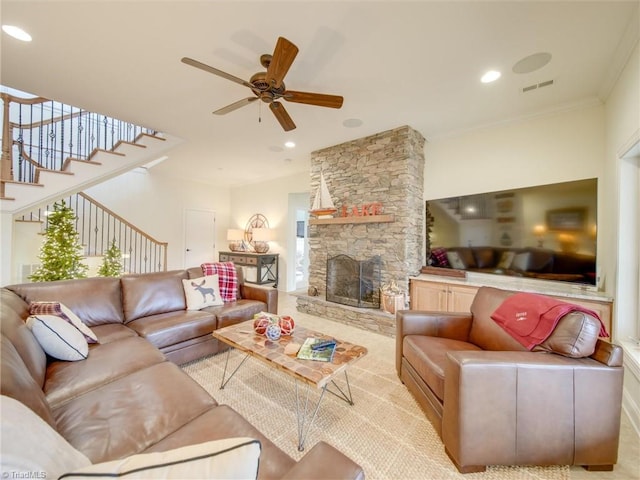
(61,310)
(439,257)
(227,278)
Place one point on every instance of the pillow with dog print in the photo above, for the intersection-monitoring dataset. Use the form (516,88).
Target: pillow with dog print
(202,292)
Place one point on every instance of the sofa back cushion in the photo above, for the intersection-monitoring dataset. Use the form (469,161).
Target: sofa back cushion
(485,257)
(147,294)
(96,301)
(485,332)
(575,336)
(16,382)
(13,313)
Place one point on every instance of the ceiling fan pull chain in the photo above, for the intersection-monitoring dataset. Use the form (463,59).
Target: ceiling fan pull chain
(259,112)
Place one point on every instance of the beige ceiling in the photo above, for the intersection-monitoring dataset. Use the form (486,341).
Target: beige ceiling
(396,63)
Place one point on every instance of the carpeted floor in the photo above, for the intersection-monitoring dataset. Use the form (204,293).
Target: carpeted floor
(385,431)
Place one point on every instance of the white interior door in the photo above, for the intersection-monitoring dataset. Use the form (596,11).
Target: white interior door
(199,237)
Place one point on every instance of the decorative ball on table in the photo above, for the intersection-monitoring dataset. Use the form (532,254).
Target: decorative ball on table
(286,325)
(273,332)
(260,324)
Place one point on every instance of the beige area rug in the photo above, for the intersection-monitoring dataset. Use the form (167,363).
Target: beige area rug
(385,430)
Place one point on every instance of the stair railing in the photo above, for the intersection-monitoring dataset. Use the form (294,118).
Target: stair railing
(42,133)
(98,227)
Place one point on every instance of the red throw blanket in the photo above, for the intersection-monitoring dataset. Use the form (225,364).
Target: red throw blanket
(531,318)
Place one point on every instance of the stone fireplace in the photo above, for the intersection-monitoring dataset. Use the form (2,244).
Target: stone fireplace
(386,170)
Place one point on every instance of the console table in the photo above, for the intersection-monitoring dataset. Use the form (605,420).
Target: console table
(266,265)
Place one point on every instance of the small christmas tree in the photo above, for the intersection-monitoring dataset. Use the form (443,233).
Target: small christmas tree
(111,262)
(60,254)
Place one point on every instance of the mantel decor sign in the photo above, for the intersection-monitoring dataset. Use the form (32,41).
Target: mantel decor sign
(364,210)
(564,219)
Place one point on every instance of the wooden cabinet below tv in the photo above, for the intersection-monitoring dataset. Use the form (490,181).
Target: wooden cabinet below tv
(435,293)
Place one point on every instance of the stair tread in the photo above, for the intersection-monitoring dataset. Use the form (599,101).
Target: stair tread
(124,142)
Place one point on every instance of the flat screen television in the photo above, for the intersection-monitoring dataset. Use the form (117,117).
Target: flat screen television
(546,232)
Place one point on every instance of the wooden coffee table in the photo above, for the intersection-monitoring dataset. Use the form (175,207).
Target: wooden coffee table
(312,373)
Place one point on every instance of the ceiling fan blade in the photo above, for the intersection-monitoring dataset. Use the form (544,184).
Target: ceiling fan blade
(282,58)
(215,71)
(235,105)
(318,99)
(283,117)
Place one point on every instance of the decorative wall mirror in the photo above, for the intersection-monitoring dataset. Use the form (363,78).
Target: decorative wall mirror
(256,221)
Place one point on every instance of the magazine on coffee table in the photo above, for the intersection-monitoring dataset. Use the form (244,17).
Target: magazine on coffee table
(323,355)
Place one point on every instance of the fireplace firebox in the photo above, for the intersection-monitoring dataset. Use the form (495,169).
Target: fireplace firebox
(354,282)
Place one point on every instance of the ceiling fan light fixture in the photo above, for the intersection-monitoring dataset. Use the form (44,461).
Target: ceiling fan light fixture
(490,76)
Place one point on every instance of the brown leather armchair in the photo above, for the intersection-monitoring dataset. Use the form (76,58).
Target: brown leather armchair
(493,402)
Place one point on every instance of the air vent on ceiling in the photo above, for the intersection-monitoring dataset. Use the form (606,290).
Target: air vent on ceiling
(535,86)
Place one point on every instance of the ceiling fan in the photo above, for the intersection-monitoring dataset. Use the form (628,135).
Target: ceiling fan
(269,87)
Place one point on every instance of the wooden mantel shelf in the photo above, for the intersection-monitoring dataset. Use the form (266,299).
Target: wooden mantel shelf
(345,220)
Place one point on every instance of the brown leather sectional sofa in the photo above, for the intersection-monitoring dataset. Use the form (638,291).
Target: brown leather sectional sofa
(126,398)
(493,402)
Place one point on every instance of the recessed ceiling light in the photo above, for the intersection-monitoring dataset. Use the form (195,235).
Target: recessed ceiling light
(289,144)
(16,32)
(490,76)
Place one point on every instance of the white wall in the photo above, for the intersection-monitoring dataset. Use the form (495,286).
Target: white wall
(271,199)
(156,204)
(621,210)
(556,148)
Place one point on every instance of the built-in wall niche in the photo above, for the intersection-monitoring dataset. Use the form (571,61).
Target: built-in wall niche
(547,232)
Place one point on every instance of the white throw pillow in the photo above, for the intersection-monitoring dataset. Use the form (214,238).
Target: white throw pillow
(230,458)
(58,338)
(30,446)
(521,262)
(455,261)
(202,292)
(61,310)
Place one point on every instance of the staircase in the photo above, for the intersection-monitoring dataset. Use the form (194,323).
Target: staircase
(51,150)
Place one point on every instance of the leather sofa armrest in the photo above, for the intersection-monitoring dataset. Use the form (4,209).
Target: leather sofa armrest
(265,295)
(552,408)
(455,326)
(322,462)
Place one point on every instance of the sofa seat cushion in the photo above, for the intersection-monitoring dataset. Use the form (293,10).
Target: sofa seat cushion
(224,422)
(112,332)
(128,415)
(427,355)
(171,328)
(238,311)
(66,380)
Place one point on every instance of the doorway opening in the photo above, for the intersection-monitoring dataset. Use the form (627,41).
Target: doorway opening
(298,242)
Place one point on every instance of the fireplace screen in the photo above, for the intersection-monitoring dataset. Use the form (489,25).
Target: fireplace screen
(353,282)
